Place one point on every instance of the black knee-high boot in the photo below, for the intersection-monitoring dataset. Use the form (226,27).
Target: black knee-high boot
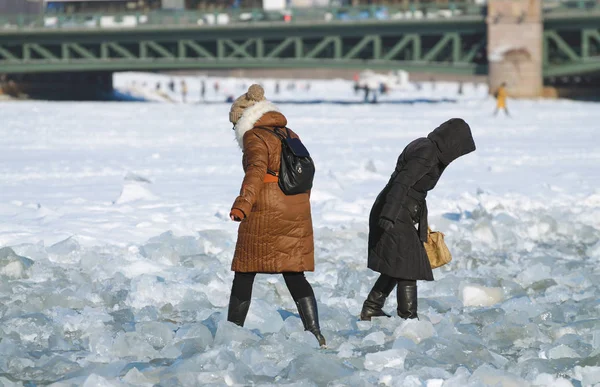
(407,299)
(372,307)
(238,310)
(307,308)
(239,301)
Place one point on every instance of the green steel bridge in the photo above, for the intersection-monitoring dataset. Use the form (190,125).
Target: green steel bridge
(455,44)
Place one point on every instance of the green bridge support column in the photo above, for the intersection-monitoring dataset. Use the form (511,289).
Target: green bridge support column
(515,35)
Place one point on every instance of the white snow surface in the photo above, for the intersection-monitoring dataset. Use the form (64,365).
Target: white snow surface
(116,245)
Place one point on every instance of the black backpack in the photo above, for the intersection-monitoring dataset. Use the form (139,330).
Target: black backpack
(297,169)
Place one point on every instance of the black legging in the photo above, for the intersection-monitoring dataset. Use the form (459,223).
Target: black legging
(295,282)
(386,284)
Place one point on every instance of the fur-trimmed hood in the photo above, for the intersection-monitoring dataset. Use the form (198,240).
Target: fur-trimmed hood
(250,117)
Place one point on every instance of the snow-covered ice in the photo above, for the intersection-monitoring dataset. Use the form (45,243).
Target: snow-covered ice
(115,245)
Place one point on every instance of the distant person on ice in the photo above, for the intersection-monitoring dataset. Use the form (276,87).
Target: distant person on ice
(395,245)
(501,96)
(275,233)
(184,91)
(202,90)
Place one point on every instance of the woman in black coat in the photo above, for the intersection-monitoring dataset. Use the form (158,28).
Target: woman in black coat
(395,244)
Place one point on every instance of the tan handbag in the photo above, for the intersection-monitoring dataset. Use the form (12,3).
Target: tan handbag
(436,249)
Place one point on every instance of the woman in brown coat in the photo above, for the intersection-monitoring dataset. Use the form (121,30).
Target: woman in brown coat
(275,233)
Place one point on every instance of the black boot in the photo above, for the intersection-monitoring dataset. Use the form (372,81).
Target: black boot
(307,308)
(407,301)
(238,310)
(372,307)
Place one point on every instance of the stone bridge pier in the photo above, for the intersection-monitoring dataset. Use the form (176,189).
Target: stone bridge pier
(514,46)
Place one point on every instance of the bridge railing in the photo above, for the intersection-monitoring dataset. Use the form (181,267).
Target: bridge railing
(570,9)
(241,16)
(567,7)
(407,11)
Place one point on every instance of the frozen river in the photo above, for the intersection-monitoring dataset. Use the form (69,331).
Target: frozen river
(116,216)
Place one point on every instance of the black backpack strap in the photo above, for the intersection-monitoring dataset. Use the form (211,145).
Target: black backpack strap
(281,134)
(276,132)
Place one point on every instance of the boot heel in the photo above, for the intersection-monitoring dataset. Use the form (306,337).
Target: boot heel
(307,308)
(372,307)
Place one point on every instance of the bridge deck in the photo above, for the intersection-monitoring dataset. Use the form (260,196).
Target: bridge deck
(449,45)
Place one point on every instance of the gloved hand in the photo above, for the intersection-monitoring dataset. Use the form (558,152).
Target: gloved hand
(385,224)
(237,215)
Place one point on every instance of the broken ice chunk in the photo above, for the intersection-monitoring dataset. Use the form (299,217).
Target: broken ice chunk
(13,265)
(393,358)
(476,295)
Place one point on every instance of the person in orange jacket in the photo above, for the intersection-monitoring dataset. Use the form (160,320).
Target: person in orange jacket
(501,95)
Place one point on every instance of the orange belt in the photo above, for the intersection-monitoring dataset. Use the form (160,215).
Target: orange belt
(270,179)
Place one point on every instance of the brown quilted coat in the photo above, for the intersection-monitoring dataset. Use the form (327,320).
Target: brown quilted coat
(276,236)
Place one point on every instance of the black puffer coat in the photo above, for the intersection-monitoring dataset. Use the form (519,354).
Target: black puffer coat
(398,252)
